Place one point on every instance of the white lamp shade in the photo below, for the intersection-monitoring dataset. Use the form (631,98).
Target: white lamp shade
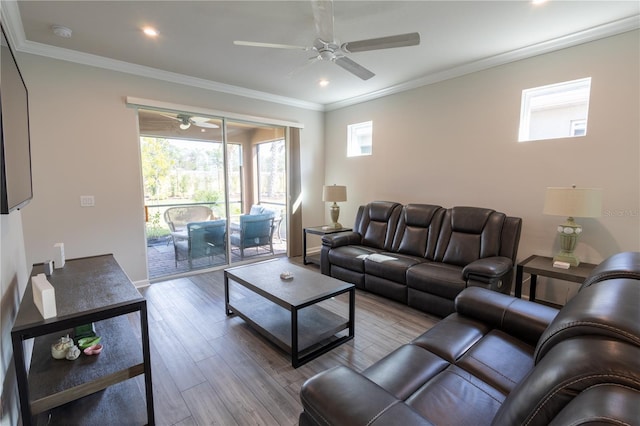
(334,193)
(573,202)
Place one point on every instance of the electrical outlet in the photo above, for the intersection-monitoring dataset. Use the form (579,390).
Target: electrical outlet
(87,201)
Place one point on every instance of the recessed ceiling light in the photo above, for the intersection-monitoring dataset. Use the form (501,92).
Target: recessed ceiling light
(537,2)
(323,83)
(151,32)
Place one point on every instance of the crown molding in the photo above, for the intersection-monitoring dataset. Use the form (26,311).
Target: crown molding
(607,30)
(15,32)
(149,72)
(12,22)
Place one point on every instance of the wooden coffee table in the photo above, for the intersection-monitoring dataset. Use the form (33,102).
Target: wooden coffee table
(286,312)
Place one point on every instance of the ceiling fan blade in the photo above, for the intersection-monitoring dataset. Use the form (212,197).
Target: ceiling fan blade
(400,40)
(170,116)
(323,19)
(203,122)
(271,45)
(354,68)
(207,125)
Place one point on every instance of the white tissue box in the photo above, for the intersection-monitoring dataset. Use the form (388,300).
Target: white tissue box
(44,296)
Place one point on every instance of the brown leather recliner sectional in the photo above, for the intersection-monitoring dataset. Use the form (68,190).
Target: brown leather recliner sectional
(499,360)
(424,255)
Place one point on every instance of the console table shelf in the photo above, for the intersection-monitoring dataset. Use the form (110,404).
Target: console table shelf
(93,289)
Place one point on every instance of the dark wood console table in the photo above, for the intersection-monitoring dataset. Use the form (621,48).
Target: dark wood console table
(88,290)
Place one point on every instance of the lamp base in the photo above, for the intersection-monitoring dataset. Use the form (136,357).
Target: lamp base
(568,234)
(335,213)
(564,256)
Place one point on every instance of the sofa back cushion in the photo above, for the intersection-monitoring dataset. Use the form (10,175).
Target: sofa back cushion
(620,265)
(468,234)
(570,368)
(377,223)
(608,308)
(593,341)
(418,228)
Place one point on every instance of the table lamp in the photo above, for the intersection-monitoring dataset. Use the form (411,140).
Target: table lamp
(571,202)
(334,193)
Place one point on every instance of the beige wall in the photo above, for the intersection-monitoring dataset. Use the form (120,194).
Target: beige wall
(14,276)
(455,143)
(84,142)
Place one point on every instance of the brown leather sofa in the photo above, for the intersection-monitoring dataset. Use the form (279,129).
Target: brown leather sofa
(424,255)
(499,360)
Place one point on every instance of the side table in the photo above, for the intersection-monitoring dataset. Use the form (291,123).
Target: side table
(317,230)
(541,265)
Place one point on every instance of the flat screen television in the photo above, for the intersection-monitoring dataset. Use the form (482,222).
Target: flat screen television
(16,189)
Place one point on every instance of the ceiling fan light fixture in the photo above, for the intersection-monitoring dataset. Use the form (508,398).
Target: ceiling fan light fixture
(185,121)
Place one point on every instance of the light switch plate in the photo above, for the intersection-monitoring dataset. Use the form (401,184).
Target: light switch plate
(87,201)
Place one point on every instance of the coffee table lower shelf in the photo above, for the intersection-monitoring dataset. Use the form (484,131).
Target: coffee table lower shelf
(318,328)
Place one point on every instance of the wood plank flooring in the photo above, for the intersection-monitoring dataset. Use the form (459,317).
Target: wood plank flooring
(212,369)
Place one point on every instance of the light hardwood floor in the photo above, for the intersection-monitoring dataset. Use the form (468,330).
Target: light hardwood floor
(210,369)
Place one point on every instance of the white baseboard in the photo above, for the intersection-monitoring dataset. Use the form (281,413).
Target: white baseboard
(141,283)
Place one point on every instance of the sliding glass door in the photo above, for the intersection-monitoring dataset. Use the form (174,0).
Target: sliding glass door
(205,205)
(257,216)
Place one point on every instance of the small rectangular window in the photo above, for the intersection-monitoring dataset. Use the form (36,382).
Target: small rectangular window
(555,111)
(359,139)
(578,127)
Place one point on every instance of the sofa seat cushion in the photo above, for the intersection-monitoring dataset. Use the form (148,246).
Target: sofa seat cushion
(456,397)
(347,275)
(499,360)
(436,278)
(392,266)
(341,396)
(351,257)
(452,337)
(405,370)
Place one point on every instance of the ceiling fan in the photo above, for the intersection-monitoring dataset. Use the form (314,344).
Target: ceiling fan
(328,49)
(187,120)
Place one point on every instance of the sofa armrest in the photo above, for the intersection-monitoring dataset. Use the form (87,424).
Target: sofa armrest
(488,269)
(341,396)
(519,318)
(341,239)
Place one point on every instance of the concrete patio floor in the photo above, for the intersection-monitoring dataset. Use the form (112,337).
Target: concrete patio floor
(161,259)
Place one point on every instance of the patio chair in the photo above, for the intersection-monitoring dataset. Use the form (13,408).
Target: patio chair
(178,217)
(204,239)
(254,230)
